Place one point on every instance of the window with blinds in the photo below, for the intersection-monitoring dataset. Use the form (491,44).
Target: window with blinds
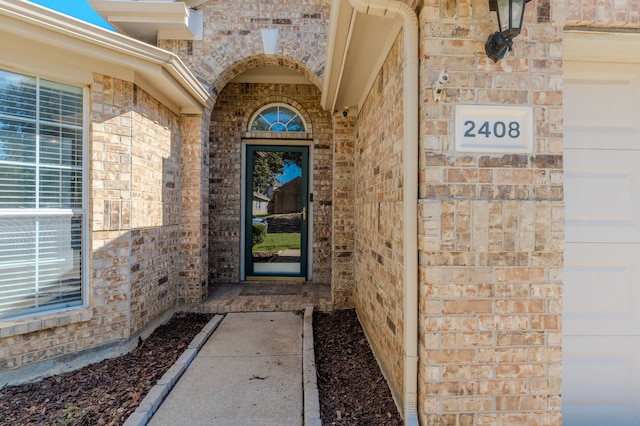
(41,195)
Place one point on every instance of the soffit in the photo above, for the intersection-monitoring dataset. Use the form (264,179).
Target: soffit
(54,45)
(357,45)
(271,74)
(194,3)
(146,20)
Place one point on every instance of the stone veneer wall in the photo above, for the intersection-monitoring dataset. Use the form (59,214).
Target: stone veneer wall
(491,230)
(154,192)
(378,219)
(232,39)
(134,233)
(231,45)
(194,213)
(229,121)
(344,221)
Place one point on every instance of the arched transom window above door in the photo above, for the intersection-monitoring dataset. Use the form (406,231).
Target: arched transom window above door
(277,118)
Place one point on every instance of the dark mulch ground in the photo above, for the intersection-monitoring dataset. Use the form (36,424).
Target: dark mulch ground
(352,389)
(105,393)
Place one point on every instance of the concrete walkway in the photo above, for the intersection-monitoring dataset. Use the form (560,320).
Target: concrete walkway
(248,372)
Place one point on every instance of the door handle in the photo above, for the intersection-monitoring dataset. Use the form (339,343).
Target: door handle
(304,213)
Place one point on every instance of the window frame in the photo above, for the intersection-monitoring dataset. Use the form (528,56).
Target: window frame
(78,309)
(283,105)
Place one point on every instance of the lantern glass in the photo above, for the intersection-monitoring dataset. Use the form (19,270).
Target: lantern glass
(510,15)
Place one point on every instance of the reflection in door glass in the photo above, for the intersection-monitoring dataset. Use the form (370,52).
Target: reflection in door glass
(277,212)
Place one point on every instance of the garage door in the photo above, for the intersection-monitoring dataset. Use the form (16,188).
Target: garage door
(601,323)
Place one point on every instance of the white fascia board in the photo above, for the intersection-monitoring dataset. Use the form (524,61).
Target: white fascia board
(175,33)
(87,46)
(141,11)
(339,31)
(194,3)
(170,18)
(601,44)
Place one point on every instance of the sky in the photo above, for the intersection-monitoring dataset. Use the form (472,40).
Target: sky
(290,171)
(77,8)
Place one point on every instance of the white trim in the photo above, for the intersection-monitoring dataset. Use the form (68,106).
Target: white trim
(86,240)
(150,21)
(601,46)
(269,40)
(194,3)
(38,39)
(277,104)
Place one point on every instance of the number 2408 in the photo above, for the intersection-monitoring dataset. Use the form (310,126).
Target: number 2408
(500,129)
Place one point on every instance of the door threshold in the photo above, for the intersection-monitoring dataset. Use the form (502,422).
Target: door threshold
(274,278)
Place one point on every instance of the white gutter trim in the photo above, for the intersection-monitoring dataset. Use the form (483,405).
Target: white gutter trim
(194,3)
(179,70)
(331,31)
(122,50)
(397,10)
(343,62)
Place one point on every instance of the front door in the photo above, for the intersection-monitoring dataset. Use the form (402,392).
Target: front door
(276,221)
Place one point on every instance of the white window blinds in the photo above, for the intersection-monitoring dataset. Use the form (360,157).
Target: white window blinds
(41,195)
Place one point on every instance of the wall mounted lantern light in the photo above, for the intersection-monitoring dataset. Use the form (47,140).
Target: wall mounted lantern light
(510,14)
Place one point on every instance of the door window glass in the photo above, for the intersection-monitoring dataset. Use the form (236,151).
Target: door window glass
(277,210)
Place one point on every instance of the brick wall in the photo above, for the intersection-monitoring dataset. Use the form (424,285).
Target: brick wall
(378,218)
(135,204)
(134,232)
(229,121)
(344,221)
(194,214)
(231,45)
(155,207)
(491,226)
(232,39)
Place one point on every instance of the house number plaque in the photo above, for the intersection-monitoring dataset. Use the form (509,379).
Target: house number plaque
(494,129)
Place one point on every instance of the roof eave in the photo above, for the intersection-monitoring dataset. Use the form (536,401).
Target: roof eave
(161,73)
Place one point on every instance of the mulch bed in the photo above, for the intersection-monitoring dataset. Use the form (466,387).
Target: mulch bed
(351,387)
(104,393)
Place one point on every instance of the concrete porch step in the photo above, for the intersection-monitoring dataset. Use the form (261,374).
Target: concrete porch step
(263,296)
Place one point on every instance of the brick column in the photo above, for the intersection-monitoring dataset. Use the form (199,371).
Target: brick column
(342,243)
(194,214)
(110,228)
(491,227)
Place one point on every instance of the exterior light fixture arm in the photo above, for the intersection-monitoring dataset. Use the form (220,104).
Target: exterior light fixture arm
(497,45)
(510,16)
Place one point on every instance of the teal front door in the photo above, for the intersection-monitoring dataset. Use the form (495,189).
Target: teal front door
(276,221)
